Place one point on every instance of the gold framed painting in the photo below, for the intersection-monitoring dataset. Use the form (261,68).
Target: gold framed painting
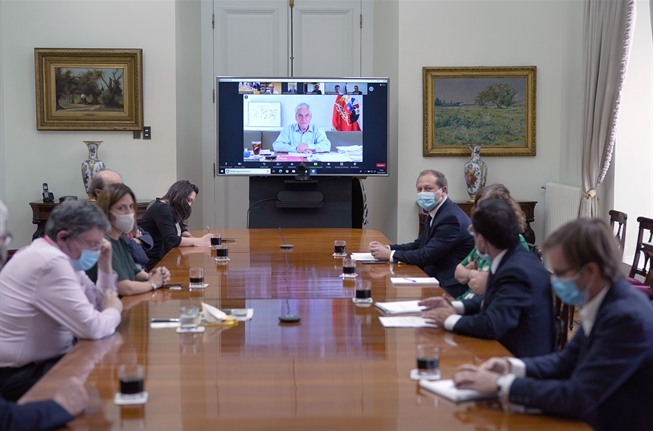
(89,89)
(492,106)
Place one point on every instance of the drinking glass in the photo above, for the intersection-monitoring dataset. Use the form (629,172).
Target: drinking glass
(428,361)
(188,315)
(339,248)
(221,253)
(131,380)
(348,268)
(196,276)
(363,293)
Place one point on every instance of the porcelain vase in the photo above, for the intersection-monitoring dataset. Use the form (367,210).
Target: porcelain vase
(92,165)
(475,172)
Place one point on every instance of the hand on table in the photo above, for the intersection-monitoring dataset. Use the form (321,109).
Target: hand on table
(473,377)
(72,396)
(380,251)
(433,302)
(111,300)
(439,314)
(303,148)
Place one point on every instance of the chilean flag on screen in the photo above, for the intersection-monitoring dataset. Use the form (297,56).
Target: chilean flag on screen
(345,114)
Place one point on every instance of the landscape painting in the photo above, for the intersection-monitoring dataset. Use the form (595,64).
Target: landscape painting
(89,89)
(492,106)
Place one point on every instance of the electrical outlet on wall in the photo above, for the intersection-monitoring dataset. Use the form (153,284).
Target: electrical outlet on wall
(147,132)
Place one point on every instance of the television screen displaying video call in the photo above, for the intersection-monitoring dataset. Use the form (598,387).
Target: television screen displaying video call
(271,126)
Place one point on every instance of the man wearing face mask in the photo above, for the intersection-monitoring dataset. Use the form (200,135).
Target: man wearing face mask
(443,243)
(604,374)
(46,299)
(516,309)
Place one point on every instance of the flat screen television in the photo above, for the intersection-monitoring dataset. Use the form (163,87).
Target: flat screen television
(287,126)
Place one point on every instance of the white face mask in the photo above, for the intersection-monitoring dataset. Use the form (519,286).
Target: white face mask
(123,222)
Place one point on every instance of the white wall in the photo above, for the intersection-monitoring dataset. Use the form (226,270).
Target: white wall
(31,157)
(633,161)
(488,33)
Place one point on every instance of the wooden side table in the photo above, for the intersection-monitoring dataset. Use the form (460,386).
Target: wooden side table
(41,212)
(528,207)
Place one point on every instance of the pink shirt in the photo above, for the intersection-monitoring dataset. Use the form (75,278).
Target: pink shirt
(45,303)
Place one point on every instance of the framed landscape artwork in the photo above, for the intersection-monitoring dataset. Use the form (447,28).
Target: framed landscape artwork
(492,106)
(89,89)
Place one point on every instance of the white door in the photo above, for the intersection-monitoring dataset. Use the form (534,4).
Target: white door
(253,38)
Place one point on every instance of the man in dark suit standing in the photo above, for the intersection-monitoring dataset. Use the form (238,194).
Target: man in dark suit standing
(604,376)
(443,244)
(517,308)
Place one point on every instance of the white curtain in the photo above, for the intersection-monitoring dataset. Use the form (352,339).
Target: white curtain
(607,36)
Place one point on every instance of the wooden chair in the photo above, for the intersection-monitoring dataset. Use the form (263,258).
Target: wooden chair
(643,247)
(621,220)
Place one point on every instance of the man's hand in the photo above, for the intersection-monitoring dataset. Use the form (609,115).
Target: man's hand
(497,365)
(111,300)
(104,262)
(434,302)
(303,148)
(380,251)
(478,281)
(72,396)
(160,276)
(439,315)
(472,377)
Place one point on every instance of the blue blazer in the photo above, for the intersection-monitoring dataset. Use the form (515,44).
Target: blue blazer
(440,247)
(40,415)
(606,379)
(517,308)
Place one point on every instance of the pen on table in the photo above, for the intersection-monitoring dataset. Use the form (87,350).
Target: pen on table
(412,280)
(208,230)
(164,320)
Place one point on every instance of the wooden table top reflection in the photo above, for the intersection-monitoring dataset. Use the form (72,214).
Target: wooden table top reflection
(337,369)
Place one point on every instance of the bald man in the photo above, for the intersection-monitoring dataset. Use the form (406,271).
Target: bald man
(101,179)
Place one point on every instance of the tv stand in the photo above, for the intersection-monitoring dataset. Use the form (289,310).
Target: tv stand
(329,202)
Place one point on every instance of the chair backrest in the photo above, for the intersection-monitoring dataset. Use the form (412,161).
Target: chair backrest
(644,235)
(621,220)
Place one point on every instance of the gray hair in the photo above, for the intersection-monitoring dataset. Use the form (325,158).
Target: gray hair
(76,217)
(302,105)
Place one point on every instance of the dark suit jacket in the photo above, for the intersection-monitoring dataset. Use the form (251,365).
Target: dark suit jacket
(605,379)
(517,308)
(440,248)
(41,415)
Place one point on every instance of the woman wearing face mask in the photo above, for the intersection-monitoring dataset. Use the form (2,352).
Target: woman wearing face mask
(473,270)
(166,220)
(117,201)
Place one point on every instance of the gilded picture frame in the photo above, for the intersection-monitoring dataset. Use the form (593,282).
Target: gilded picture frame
(89,89)
(493,106)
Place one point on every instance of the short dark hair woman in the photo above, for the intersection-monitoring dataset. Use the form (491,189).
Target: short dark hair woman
(166,220)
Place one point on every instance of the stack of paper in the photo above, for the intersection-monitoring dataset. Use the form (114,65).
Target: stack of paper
(362,256)
(414,280)
(351,150)
(446,389)
(400,307)
(406,322)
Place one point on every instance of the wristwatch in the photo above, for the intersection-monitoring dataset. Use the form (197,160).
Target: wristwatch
(154,286)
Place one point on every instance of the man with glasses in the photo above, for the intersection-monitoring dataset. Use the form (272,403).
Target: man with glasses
(46,300)
(517,307)
(604,375)
(444,241)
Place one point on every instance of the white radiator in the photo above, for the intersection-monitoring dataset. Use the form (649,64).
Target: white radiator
(561,205)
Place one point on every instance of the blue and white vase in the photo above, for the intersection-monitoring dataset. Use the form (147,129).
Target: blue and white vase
(92,165)
(475,172)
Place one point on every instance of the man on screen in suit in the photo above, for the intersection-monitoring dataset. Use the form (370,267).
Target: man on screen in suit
(517,307)
(604,375)
(68,401)
(443,244)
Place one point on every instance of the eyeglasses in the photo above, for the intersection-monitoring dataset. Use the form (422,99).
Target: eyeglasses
(89,247)
(560,274)
(6,240)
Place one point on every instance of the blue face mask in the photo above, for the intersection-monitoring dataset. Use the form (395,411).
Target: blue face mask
(86,260)
(427,200)
(567,290)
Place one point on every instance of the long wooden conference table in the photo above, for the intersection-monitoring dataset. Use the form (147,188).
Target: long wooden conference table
(337,369)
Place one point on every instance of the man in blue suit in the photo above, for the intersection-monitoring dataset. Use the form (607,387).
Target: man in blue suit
(443,244)
(604,376)
(69,400)
(517,308)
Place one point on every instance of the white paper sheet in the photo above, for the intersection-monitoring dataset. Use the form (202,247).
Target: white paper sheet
(399,307)
(362,256)
(406,322)
(414,280)
(446,389)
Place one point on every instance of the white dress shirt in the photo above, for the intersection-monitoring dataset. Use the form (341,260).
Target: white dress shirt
(45,303)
